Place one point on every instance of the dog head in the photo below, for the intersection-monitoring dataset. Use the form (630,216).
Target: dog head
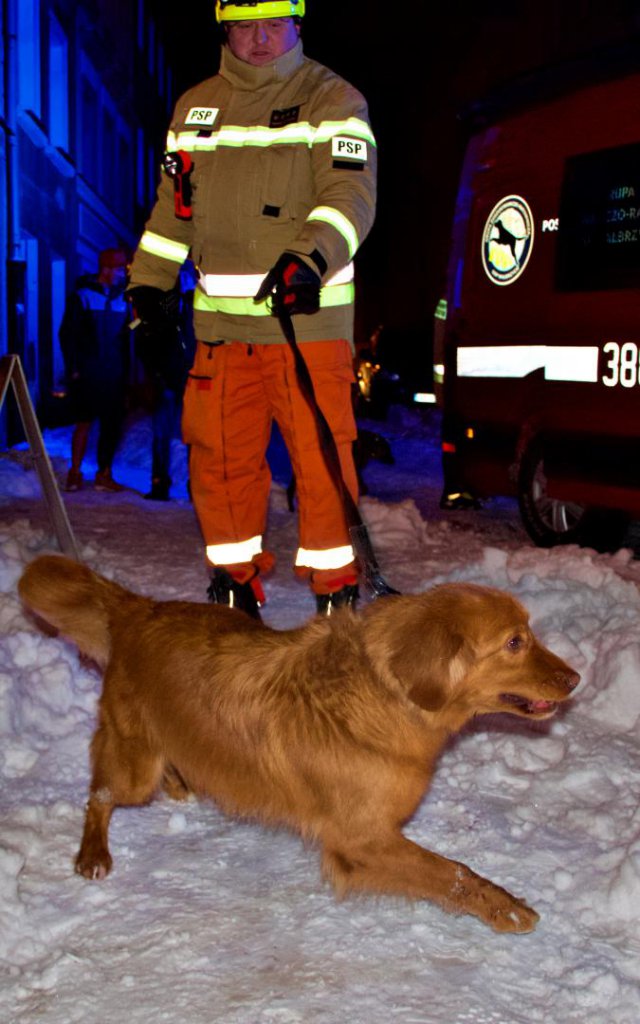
(462,650)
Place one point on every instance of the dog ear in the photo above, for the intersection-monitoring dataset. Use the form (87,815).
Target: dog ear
(431,669)
(421,650)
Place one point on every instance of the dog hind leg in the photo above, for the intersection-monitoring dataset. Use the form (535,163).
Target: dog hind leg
(398,866)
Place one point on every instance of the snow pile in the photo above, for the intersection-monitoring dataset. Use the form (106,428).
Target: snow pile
(207,919)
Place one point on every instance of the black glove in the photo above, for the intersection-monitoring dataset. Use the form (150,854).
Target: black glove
(293,286)
(157,309)
(159,341)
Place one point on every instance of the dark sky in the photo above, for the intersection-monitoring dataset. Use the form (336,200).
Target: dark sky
(417,70)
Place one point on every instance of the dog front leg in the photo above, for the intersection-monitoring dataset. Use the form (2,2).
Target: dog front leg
(401,867)
(94,860)
(126,772)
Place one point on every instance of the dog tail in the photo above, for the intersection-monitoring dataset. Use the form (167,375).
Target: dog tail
(75,601)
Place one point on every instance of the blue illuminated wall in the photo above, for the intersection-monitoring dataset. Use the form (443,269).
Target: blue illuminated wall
(85,96)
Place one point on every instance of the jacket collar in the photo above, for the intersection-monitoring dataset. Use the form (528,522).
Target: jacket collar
(241,75)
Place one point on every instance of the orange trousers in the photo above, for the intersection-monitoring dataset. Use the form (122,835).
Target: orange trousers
(233,393)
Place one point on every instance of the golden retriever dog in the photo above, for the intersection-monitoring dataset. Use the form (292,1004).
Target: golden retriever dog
(331,729)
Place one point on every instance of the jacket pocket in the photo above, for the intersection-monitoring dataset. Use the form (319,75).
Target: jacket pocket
(277,189)
(201,399)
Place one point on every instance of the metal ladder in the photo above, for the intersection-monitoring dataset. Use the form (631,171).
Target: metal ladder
(11,372)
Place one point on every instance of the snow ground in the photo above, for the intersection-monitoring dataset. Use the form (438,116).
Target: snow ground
(208,919)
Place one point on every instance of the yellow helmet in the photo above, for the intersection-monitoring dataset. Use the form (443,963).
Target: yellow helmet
(253,10)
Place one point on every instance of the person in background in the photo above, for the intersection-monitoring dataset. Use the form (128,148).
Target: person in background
(166,352)
(269,182)
(94,343)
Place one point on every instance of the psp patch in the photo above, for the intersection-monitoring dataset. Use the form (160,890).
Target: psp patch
(203,117)
(280,118)
(344,148)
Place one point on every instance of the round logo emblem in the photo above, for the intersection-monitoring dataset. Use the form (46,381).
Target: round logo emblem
(507,240)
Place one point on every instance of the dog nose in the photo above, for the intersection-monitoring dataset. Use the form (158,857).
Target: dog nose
(570,680)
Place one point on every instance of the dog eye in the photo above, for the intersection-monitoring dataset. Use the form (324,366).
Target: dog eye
(514,643)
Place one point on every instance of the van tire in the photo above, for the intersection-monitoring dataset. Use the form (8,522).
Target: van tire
(551,521)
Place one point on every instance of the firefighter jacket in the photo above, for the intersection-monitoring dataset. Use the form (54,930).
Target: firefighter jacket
(283,159)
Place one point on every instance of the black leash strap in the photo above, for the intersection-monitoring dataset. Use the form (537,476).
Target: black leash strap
(373,578)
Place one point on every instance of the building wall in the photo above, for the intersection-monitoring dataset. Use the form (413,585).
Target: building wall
(4,134)
(85,89)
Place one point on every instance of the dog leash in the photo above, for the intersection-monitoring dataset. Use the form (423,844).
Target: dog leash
(358,532)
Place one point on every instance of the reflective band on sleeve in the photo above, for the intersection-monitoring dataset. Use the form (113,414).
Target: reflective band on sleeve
(330,558)
(157,245)
(234,554)
(559,362)
(441,310)
(342,224)
(301,133)
(327,130)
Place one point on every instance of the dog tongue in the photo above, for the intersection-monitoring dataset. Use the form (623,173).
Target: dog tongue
(541,705)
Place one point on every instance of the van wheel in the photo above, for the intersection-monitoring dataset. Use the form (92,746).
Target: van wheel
(551,521)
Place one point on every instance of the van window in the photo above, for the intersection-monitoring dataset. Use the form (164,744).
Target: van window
(599,236)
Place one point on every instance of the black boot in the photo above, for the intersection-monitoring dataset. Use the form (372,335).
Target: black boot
(223,589)
(344,598)
(160,486)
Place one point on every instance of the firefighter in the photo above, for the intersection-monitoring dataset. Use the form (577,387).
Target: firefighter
(269,184)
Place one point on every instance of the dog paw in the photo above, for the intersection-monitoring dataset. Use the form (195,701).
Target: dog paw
(493,905)
(93,866)
(516,916)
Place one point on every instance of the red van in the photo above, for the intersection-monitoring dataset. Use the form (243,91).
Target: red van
(541,341)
